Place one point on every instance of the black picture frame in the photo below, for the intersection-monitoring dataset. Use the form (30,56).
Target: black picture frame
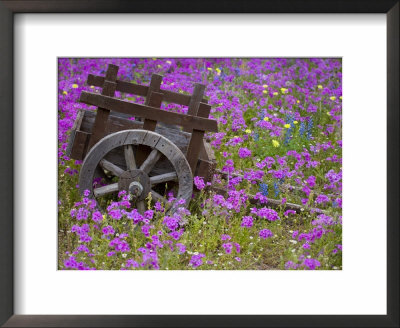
(7,198)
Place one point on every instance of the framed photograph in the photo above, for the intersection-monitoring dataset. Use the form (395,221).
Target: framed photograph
(199,165)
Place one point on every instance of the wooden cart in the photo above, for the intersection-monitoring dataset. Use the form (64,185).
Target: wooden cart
(138,155)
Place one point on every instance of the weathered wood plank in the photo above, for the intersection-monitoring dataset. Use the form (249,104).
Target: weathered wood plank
(100,124)
(194,103)
(205,169)
(171,176)
(141,90)
(75,127)
(150,161)
(80,145)
(141,206)
(129,157)
(117,171)
(152,113)
(154,100)
(105,190)
(196,141)
(155,84)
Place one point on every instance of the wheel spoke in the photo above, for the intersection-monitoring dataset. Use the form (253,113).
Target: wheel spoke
(129,157)
(141,206)
(171,176)
(101,191)
(150,161)
(117,171)
(156,196)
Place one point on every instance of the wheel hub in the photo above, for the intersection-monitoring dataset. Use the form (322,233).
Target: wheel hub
(136,182)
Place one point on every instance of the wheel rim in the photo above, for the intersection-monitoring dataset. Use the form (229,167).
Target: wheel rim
(136,180)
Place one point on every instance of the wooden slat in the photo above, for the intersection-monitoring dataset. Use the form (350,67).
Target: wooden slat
(141,90)
(105,190)
(129,157)
(152,113)
(154,100)
(171,176)
(150,161)
(100,124)
(205,169)
(80,145)
(114,169)
(75,127)
(196,141)
(195,100)
(155,84)
(115,123)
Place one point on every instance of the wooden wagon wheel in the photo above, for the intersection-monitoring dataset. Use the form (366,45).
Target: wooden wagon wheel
(136,180)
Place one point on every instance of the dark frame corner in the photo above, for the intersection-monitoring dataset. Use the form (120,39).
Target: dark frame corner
(10,7)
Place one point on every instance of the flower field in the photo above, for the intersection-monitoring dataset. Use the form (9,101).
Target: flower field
(278,153)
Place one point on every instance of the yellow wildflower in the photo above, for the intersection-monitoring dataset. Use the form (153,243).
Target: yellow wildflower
(287,126)
(65,92)
(298,101)
(275,93)
(74,86)
(320,86)
(265,91)
(218,71)
(284,90)
(340,97)
(92,87)
(248,131)
(265,86)
(209,68)
(295,122)
(275,143)
(332,98)
(159,66)
(266,119)
(327,113)
(169,62)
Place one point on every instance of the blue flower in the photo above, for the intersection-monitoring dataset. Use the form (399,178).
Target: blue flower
(264,189)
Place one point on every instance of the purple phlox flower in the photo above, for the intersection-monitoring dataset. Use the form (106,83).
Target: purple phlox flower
(176,234)
(322,199)
(135,216)
(267,213)
(247,222)
(244,152)
(196,260)
(149,214)
(261,198)
(82,214)
(131,263)
(158,207)
(146,230)
(265,233)
(115,214)
(289,212)
(225,237)
(311,264)
(227,247)
(97,216)
(324,220)
(290,265)
(237,247)
(181,248)
(108,230)
(199,182)
(172,223)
